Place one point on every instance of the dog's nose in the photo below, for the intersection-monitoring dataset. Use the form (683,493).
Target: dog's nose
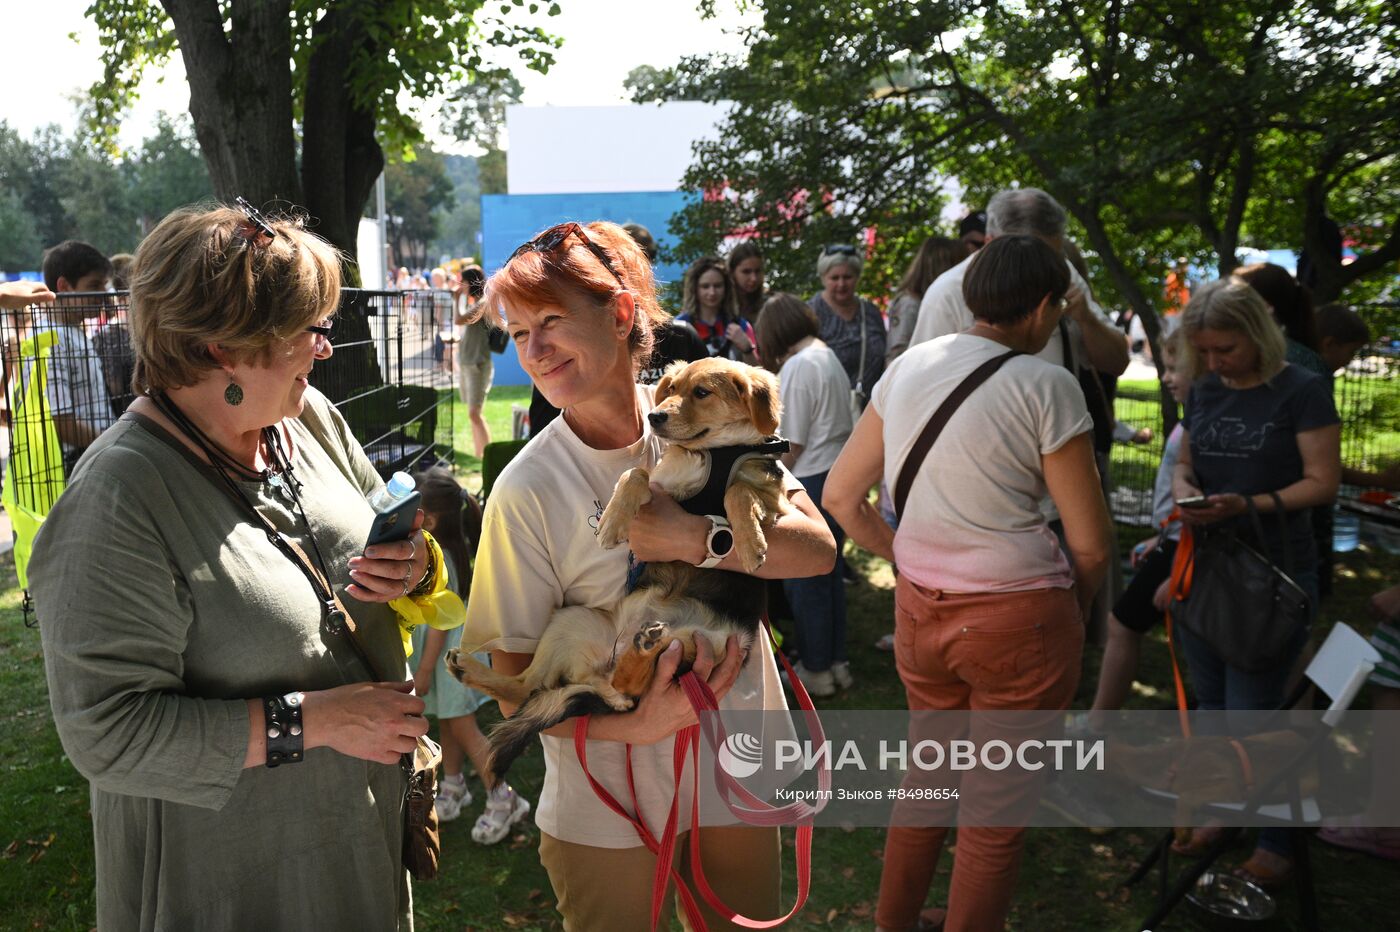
(657,418)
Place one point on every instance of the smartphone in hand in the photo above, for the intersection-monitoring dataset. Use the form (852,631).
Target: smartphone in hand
(1193,501)
(397,522)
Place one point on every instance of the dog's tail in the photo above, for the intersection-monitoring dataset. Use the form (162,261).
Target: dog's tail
(478,675)
(545,709)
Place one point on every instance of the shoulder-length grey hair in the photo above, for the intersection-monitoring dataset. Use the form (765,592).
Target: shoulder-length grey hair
(1231,304)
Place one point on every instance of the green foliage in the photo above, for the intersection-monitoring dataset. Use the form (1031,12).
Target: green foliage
(477,114)
(460,217)
(167,172)
(300,100)
(19,237)
(411,49)
(648,84)
(54,188)
(1164,129)
(414,193)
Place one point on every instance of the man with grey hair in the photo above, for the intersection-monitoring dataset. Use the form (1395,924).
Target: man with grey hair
(1092,338)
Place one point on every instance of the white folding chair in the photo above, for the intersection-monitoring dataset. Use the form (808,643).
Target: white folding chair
(1339,670)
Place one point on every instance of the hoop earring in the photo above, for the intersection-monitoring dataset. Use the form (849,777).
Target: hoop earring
(233,395)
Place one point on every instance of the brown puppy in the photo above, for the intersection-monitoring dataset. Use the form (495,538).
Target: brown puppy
(577,668)
(701,406)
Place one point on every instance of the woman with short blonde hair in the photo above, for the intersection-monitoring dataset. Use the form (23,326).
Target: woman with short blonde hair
(188,644)
(1231,304)
(1260,431)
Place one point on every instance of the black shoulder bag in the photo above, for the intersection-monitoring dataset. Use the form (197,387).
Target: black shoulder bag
(935,426)
(1241,604)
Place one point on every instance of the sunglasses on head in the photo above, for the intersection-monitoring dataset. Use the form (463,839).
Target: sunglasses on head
(554,237)
(840,249)
(256,228)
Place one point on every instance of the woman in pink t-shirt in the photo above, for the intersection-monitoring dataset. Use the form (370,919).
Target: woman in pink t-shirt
(988,611)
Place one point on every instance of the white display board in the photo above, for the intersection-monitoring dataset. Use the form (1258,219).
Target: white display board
(586,150)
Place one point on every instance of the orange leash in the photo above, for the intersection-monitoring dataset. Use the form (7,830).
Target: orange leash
(1183,569)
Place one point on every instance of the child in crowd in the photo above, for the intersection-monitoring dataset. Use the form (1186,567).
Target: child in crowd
(454,520)
(1142,603)
(1340,334)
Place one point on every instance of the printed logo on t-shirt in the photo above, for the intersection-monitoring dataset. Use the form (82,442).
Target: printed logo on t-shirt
(1232,436)
(596,517)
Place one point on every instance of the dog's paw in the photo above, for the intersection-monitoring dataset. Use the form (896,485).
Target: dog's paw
(652,637)
(450,659)
(751,556)
(617,701)
(613,529)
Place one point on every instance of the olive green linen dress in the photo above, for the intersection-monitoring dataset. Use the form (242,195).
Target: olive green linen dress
(162,607)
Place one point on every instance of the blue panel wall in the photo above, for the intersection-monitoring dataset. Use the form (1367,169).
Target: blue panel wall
(507,220)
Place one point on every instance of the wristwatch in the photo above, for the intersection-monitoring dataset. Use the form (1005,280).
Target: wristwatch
(718,542)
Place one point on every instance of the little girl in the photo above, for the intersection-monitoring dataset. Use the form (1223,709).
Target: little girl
(454,520)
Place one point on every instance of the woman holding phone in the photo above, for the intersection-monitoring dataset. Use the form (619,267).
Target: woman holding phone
(244,758)
(1254,425)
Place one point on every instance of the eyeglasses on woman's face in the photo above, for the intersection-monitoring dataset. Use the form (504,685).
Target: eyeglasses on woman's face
(554,237)
(322,331)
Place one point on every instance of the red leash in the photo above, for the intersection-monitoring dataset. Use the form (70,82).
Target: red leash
(754,811)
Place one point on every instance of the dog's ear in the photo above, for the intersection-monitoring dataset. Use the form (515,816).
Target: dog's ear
(765,407)
(668,378)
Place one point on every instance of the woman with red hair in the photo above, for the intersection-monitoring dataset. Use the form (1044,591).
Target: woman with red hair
(579,304)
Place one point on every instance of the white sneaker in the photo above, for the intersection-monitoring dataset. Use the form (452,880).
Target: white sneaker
(504,808)
(842,673)
(452,796)
(820,685)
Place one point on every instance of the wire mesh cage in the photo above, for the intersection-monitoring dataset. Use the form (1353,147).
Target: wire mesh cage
(67,376)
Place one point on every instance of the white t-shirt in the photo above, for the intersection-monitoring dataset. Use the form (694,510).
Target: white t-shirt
(76,386)
(539,552)
(972,522)
(816,394)
(944,311)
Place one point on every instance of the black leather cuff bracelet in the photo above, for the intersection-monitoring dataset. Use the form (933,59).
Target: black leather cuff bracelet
(282,719)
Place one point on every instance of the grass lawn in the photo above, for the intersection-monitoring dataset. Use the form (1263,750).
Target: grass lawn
(1069,878)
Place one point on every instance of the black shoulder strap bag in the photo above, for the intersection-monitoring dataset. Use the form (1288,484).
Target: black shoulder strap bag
(935,426)
(1241,604)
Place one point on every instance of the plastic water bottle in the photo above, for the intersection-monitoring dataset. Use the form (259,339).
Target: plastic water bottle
(399,487)
(1346,532)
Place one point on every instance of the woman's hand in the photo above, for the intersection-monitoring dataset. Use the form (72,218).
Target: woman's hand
(18,295)
(664,532)
(736,335)
(371,721)
(422,679)
(1163,596)
(385,572)
(1216,508)
(1143,548)
(665,709)
(1385,605)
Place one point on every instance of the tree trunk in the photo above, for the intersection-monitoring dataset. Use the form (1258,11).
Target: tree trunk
(242,110)
(340,156)
(1138,300)
(1332,276)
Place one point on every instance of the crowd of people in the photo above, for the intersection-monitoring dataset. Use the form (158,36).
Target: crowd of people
(208,605)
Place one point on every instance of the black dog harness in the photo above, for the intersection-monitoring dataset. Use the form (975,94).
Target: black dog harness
(722,464)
